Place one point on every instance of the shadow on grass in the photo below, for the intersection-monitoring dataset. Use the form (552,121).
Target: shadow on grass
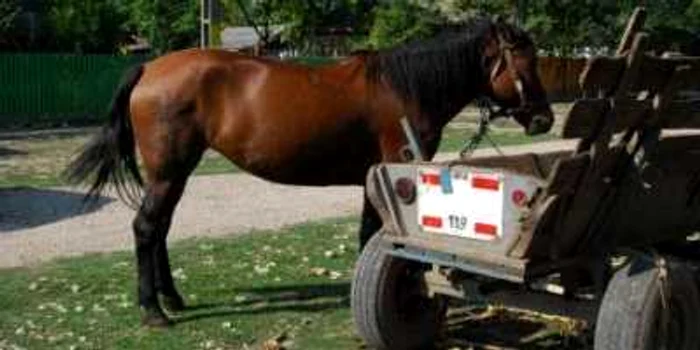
(5,151)
(296,298)
(27,207)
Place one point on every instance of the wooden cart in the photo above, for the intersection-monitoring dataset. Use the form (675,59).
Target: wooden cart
(605,230)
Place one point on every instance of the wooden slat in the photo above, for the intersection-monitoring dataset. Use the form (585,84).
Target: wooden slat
(635,62)
(566,173)
(589,192)
(601,74)
(538,165)
(634,25)
(586,113)
(672,112)
(583,117)
(654,74)
(689,74)
(681,115)
(673,145)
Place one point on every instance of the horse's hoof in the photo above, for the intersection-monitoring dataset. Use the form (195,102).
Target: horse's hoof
(155,319)
(173,304)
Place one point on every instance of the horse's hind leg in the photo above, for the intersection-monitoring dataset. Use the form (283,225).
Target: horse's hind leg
(171,299)
(168,169)
(150,230)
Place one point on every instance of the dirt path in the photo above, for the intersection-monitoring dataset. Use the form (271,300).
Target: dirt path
(39,225)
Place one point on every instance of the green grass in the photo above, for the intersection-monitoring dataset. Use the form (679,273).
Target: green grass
(39,162)
(242,291)
(215,164)
(454,139)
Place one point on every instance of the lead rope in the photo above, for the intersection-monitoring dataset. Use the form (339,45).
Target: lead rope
(662,280)
(483,128)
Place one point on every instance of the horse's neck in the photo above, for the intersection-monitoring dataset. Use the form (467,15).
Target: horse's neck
(429,127)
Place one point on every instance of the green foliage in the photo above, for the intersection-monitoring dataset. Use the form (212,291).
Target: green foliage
(461,9)
(84,26)
(9,9)
(561,27)
(402,21)
(168,25)
(671,23)
(303,20)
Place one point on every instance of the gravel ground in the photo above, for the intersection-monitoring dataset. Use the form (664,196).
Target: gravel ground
(37,225)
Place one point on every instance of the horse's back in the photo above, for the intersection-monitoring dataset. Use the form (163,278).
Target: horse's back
(275,119)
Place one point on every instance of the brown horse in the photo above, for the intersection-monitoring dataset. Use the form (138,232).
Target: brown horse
(293,124)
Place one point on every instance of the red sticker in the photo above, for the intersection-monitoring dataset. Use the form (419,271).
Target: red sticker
(432,221)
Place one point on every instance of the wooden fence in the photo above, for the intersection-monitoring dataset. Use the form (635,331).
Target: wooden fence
(560,77)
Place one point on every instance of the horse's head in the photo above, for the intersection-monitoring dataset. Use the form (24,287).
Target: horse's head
(513,81)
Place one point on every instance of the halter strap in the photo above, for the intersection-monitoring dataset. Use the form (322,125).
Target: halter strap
(506,55)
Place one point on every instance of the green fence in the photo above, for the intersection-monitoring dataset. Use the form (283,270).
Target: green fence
(57,89)
(46,90)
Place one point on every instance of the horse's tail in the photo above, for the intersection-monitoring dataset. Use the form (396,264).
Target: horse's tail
(110,157)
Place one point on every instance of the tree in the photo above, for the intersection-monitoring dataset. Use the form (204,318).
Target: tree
(672,24)
(565,27)
(561,27)
(167,24)
(401,21)
(86,26)
(9,10)
(303,20)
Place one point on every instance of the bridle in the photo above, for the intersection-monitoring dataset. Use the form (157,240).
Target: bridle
(505,57)
(487,112)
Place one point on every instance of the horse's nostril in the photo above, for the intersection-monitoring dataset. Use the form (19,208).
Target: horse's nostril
(540,124)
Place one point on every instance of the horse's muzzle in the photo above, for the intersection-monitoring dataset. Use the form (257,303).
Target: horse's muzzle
(541,123)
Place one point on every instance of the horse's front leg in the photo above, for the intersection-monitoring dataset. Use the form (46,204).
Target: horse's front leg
(371,221)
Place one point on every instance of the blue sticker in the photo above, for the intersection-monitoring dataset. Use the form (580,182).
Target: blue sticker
(445,180)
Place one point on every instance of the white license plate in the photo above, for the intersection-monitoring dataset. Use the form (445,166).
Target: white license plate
(461,203)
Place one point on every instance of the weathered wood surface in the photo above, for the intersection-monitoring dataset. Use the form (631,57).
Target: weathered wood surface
(667,87)
(533,164)
(638,188)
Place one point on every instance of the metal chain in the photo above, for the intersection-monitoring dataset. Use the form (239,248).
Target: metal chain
(662,280)
(486,113)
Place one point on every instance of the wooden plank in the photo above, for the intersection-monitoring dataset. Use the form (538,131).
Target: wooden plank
(584,205)
(566,174)
(672,112)
(585,115)
(538,165)
(660,202)
(673,145)
(635,62)
(684,71)
(601,75)
(634,25)
(654,74)
(681,115)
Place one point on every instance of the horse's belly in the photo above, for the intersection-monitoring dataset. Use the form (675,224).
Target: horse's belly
(336,157)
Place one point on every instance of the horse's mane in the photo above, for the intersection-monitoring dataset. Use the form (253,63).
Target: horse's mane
(436,72)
